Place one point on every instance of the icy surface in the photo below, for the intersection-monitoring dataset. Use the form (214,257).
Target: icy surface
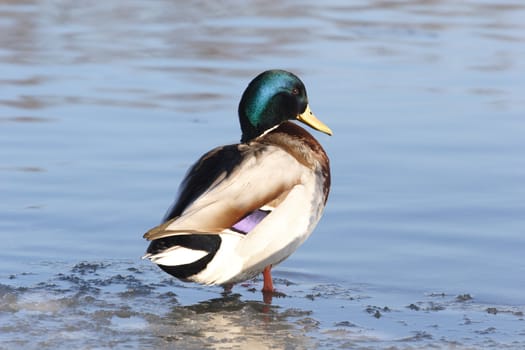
(122,304)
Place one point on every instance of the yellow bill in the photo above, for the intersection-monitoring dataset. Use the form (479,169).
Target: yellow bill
(309,119)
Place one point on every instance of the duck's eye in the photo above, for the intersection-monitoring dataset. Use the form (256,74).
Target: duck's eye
(295,91)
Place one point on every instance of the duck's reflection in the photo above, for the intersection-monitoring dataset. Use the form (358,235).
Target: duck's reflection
(229,322)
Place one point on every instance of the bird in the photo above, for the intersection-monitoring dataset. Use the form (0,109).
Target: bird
(243,208)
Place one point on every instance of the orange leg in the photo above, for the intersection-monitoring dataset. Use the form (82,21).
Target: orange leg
(268,283)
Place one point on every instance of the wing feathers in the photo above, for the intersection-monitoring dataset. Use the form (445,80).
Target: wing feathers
(249,178)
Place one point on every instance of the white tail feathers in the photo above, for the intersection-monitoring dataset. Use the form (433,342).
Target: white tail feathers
(176,256)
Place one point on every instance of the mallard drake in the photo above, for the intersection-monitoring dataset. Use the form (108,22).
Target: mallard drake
(243,208)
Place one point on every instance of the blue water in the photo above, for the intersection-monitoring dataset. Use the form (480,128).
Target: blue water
(103,107)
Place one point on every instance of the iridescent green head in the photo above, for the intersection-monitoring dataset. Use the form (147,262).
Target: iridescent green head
(273,97)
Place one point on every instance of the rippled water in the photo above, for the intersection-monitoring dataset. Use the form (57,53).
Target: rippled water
(104,105)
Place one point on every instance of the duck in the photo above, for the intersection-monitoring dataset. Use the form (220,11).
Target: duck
(243,208)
